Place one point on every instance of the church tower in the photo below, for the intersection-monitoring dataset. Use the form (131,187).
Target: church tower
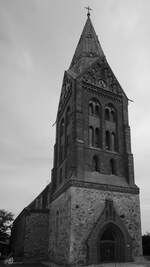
(94,208)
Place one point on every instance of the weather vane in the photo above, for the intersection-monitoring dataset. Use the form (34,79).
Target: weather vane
(89,9)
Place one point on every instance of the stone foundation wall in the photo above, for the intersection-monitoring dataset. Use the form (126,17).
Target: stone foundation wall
(87,206)
(36,235)
(59,230)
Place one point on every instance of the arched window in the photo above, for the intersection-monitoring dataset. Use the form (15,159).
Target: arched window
(97,110)
(97,137)
(107,117)
(94,108)
(107,140)
(91,110)
(95,164)
(112,166)
(67,116)
(91,136)
(113,142)
(112,114)
(62,127)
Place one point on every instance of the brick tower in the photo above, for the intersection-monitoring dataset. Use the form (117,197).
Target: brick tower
(94,208)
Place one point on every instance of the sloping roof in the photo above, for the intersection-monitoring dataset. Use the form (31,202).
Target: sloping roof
(32,205)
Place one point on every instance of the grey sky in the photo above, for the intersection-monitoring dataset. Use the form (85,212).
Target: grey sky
(37,42)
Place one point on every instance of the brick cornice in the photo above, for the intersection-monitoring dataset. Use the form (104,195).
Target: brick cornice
(99,91)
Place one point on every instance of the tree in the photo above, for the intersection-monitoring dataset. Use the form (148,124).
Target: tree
(146,244)
(6,219)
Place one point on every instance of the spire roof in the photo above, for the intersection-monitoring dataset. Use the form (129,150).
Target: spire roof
(88,49)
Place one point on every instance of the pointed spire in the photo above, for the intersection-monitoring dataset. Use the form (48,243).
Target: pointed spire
(88,48)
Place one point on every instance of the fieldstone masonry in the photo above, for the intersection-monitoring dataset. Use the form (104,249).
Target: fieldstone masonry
(29,237)
(87,206)
(80,209)
(59,228)
(36,236)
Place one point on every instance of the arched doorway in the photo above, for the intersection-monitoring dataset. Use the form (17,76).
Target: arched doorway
(111,244)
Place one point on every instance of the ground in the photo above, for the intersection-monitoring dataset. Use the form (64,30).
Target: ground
(100,265)
(22,265)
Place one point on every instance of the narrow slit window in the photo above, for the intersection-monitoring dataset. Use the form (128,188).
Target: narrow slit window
(97,110)
(91,110)
(107,140)
(95,164)
(113,116)
(113,142)
(91,136)
(107,115)
(112,166)
(97,137)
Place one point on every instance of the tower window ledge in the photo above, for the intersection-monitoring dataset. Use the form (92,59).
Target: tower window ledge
(95,148)
(80,141)
(112,151)
(95,116)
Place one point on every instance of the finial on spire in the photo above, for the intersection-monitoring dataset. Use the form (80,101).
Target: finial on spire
(89,9)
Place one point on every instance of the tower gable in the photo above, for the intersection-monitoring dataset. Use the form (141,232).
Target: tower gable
(100,75)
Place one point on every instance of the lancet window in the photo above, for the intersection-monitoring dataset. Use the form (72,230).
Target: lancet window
(112,166)
(110,113)
(111,128)
(97,137)
(107,140)
(91,136)
(95,163)
(94,108)
(94,123)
